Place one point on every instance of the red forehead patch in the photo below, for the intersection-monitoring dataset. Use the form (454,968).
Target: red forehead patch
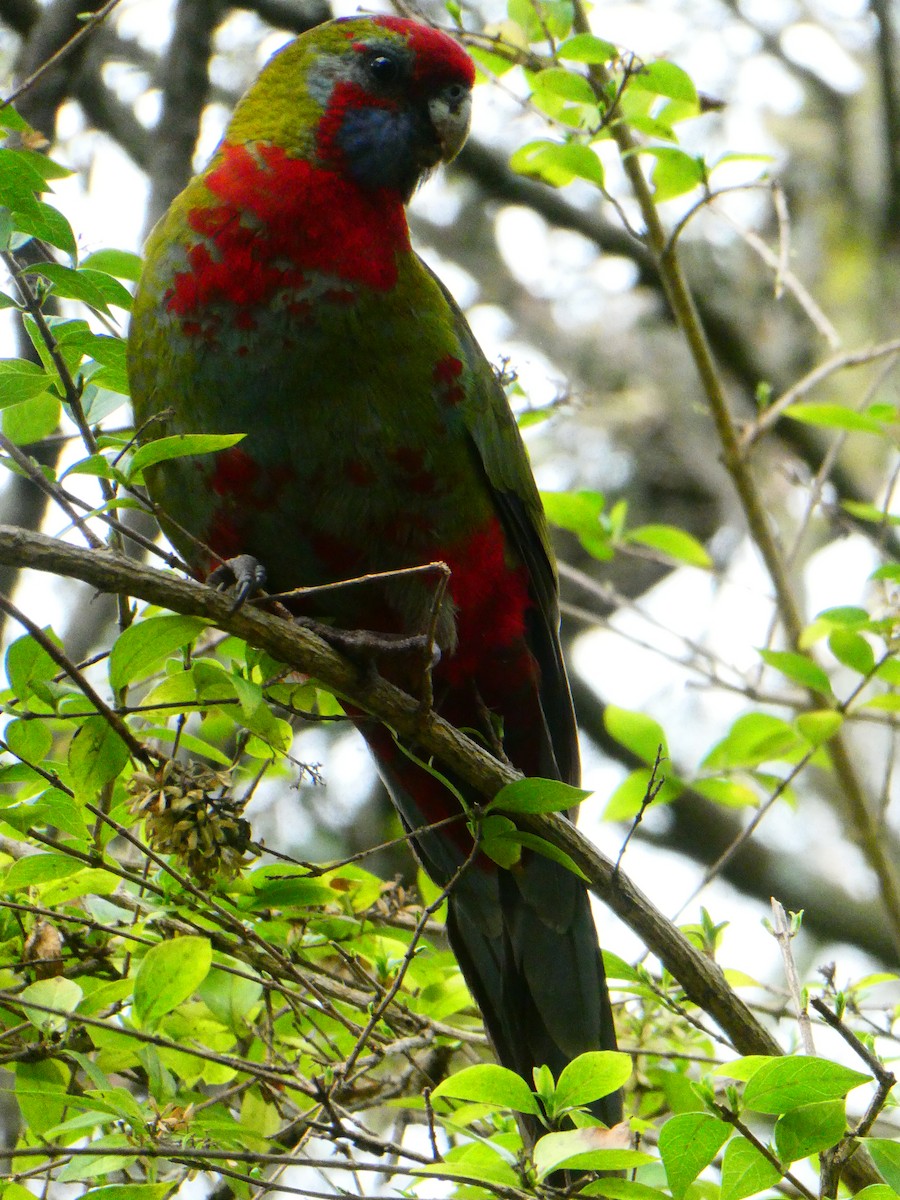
(437,54)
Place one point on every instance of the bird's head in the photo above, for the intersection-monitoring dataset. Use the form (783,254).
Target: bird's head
(387,99)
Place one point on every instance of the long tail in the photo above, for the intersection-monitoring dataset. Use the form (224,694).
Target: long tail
(525,938)
(527,945)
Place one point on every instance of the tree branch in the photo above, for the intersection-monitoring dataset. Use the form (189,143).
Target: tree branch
(301,649)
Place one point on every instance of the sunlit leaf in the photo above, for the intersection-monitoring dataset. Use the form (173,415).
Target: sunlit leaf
(787,1083)
(675,543)
(808,1129)
(169,974)
(537,796)
(688,1143)
(745,1170)
(178,446)
(489,1084)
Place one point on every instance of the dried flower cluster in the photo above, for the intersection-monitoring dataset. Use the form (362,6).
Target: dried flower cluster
(190,814)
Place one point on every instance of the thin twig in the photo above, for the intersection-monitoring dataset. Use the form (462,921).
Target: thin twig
(784,933)
(91,21)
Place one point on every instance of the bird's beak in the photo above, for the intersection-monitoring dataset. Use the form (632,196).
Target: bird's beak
(450,112)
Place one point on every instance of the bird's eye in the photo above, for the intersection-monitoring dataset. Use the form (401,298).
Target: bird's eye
(384,69)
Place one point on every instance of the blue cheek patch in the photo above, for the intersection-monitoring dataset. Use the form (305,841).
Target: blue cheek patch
(379,146)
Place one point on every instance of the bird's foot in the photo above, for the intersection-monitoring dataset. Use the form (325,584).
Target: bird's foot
(396,656)
(365,647)
(245,574)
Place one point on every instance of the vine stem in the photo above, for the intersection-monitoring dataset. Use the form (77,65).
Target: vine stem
(857,809)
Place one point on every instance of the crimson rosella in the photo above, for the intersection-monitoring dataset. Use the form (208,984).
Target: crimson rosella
(281,299)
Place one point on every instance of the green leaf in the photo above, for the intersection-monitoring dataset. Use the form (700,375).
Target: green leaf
(29,740)
(537,796)
(33,420)
(580,513)
(10,119)
(179,446)
(675,543)
(524,13)
(844,616)
(110,353)
(168,975)
(90,881)
(852,649)
(889,671)
(745,1171)
(487,1083)
(808,1129)
(886,1156)
(188,741)
(497,64)
(743,1068)
(96,465)
(818,727)
(588,1149)
(532,841)
(675,172)
(21,380)
(739,157)
(586,48)
(131,1191)
(629,797)
(875,1191)
(286,890)
(590,1076)
(143,646)
(664,78)
(863,511)
(44,167)
(20,178)
(730,793)
(36,869)
(231,997)
(40,1094)
(755,738)
(653,127)
(92,1167)
(558,163)
(636,732)
(888,571)
(688,1143)
(559,16)
(568,85)
(798,668)
(123,264)
(48,224)
(96,755)
(90,287)
(623,1189)
(834,416)
(788,1083)
(480,1162)
(840,619)
(59,993)
(10,1189)
(500,840)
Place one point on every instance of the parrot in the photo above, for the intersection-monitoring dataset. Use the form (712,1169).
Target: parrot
(280,298)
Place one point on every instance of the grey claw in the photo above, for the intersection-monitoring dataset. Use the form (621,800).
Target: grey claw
(243,573)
